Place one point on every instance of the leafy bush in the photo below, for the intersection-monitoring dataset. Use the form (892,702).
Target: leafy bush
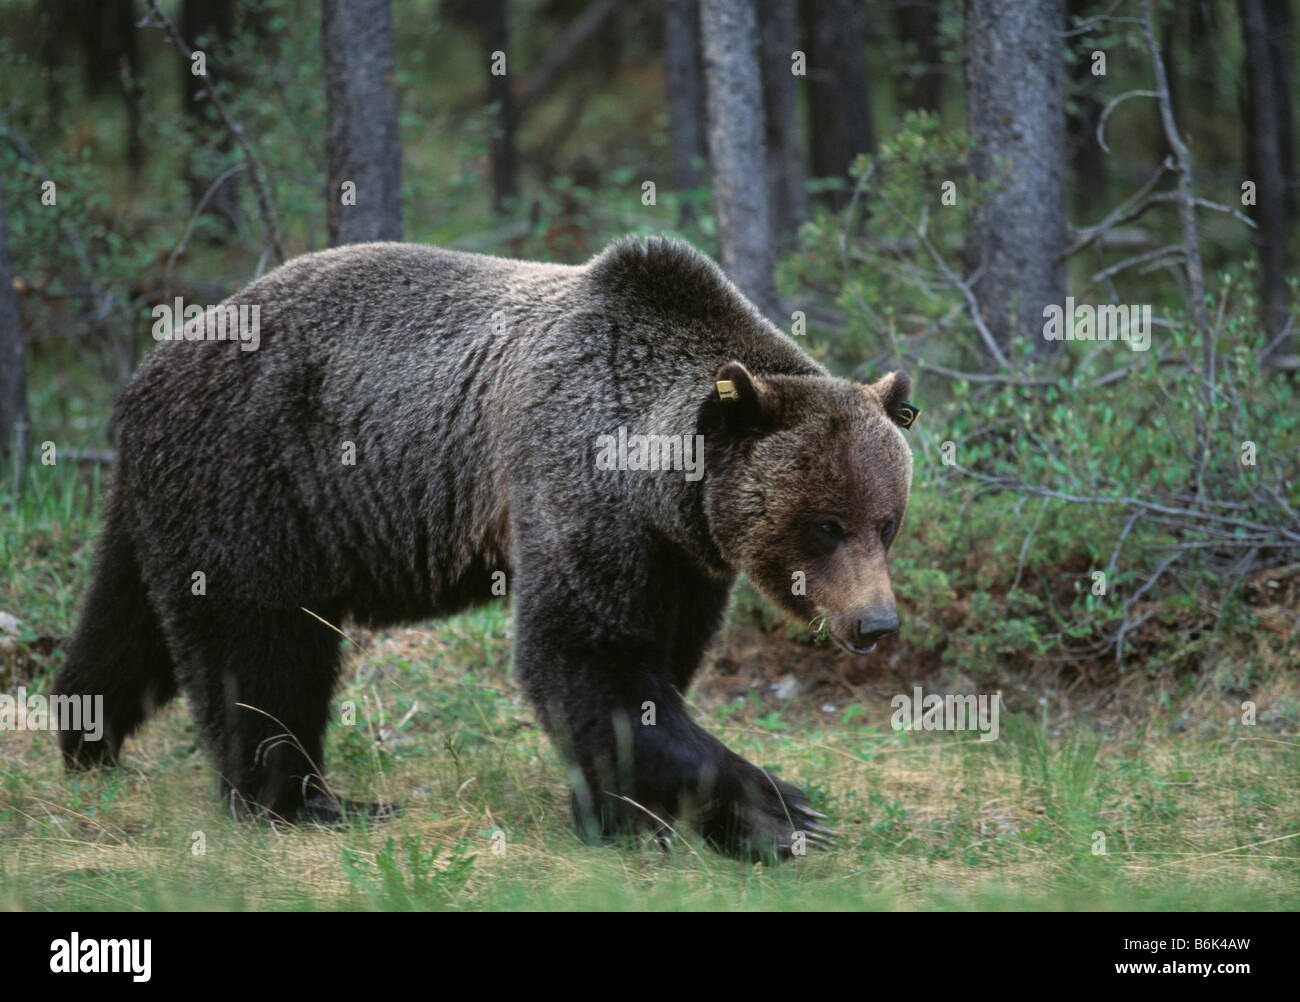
(1031,485)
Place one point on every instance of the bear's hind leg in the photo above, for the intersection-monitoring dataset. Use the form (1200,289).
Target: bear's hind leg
(277,673)
(117,654)
(261,695)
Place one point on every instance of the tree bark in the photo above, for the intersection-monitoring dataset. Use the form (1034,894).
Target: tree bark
(736,130)
(1087,158)
(132,88)
(1278,16)
(1269,140)
(362,143)
(1013,50)
(494,30)
(685,93)
(15,421)
(788,198)
(203,23)
(839,98)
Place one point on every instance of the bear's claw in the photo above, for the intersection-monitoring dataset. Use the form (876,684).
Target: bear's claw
(763,821)
(328,811)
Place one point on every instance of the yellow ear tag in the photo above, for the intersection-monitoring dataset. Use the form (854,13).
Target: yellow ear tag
(727,390)
(906,414)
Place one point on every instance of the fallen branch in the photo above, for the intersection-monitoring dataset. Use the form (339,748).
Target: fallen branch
(1188,514)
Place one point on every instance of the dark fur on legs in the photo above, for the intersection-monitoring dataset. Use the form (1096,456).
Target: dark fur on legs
(414,425)
(117,652)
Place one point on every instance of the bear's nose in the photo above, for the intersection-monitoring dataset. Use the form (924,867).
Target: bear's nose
(872,628)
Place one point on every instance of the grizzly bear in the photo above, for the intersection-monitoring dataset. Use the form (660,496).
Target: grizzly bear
(619,439)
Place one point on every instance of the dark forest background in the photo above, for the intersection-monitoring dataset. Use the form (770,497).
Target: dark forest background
(1107,539)
(895,183)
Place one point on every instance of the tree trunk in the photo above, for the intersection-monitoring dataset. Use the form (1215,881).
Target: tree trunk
(839,99)
(1013,49)
(1204,37)
(128,80)
(494,30)
(788,198)
(1087,158)
(571,46)
(203,23)
(14,420)
(362,143)
(1269,139)
(116,39)
(52,19)
(1281,46)
(107,45)
(685,93)
(735,99)
(918,28)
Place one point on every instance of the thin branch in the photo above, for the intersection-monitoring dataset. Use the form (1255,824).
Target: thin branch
(1165,564)
(185,237)
(1282,335)
(1128,210)
(1119,543)
(1111,105)
(1205,203)
(1185,513)
(990,342)
(157,19)
(1104,18)
(978,377)
(858,189)
(1134,261)
(1187,199)
(1024,547)
(1235,543)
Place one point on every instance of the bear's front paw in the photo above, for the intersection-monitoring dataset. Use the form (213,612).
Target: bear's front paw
(765,819)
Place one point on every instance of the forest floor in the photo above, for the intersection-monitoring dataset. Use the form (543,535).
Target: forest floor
(1134,797)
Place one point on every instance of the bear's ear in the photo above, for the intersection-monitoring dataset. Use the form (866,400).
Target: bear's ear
(892,392)
(749,406)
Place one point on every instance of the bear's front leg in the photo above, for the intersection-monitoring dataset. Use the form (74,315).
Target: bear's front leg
(636,759)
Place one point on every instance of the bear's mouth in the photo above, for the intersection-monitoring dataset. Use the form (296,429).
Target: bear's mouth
(852,649)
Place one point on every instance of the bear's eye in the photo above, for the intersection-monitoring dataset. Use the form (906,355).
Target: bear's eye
(887,532)
(823,536)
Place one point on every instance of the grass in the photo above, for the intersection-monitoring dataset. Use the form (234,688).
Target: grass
(1196,810)
(929,822)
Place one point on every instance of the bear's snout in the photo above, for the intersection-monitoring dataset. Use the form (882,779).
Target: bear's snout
(862,630)
(871,627)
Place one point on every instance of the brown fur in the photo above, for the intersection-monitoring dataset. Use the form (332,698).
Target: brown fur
(475,389)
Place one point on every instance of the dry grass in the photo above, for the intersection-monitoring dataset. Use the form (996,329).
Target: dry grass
(1197,810)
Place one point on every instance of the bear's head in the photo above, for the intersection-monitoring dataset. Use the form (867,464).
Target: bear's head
(807,482)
